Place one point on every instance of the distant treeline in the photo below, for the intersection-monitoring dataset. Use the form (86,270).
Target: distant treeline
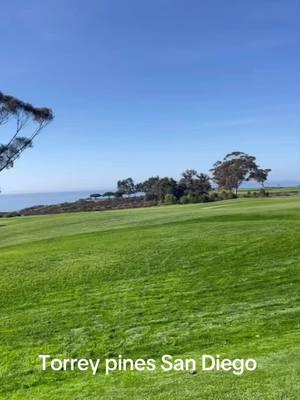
(193,187)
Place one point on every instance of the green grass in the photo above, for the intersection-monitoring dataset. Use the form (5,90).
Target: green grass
(218,278)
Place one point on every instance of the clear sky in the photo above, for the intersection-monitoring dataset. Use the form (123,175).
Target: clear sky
(144,88)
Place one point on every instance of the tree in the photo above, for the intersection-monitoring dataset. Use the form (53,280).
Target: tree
(194,183)
(188,175)
(156,188)
(149,187)
(203,183)
(126,186)
(260,175)
(95,196)
(166,186)
(108,194)
(235,168)
(18,115)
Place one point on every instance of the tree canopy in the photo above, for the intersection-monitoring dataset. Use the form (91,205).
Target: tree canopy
(194,183)
(236,168)
(125,186)
(260,175)
(17,115)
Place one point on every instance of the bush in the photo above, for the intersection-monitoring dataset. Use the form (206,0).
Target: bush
(204,198)
(232,195)
(184,200)
(214,196)
(263,193)
(226,195)
(13,214)
(193,198)
(170,199)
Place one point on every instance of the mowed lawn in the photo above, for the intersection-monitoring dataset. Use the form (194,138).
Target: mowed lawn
(219,278)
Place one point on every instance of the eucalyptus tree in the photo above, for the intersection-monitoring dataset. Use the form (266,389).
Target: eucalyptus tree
(233,170)
(260,176)
(22,123)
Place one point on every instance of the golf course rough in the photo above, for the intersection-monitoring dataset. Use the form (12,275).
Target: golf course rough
(219,279)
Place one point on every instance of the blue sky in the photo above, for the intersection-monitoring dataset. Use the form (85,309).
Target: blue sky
(144,88)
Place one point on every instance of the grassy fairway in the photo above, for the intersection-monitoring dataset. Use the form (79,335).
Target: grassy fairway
(219,278)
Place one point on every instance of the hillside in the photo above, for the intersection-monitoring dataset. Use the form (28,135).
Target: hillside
(217,278)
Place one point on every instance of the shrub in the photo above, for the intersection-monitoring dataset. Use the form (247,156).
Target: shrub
(225,195)
(193,198)
(204,198)
(214,196)
(13,214)
(263,193)
(170,199)
(184,200)
(232,195)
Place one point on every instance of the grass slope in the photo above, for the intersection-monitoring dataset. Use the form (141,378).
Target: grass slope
(183,280)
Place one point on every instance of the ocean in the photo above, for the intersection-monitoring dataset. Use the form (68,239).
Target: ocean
(15,202)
